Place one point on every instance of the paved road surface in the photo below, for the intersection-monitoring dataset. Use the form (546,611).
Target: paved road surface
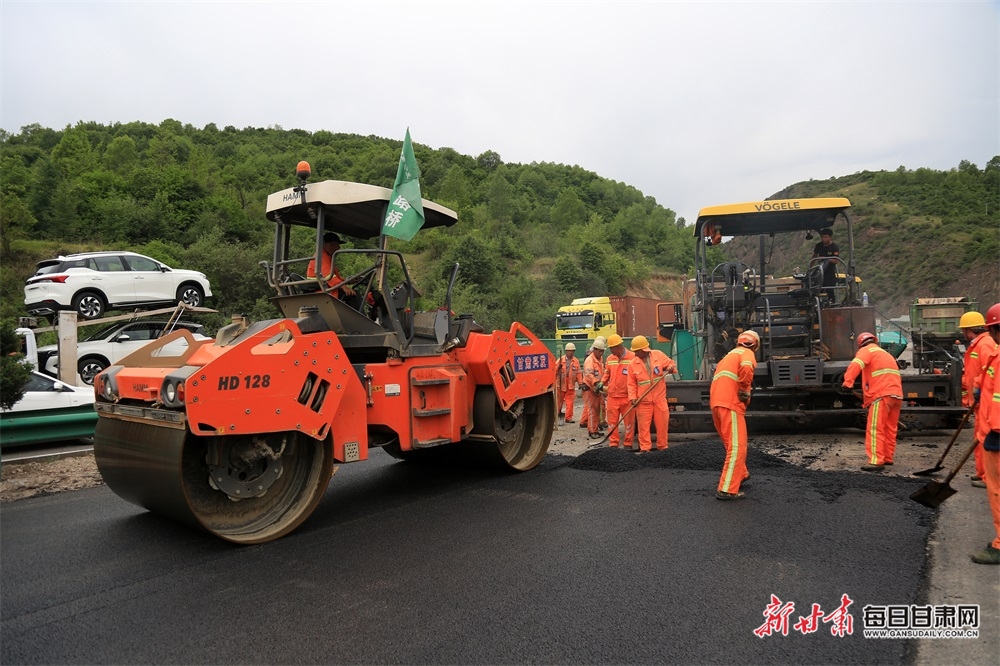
(604,557)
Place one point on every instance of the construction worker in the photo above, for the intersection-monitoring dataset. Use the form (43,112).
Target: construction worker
(980,346)
(647,391)
(883,396)
(593,371)
(585,414)
(567,379)
(331,243)
(616,384)
(729,397)
(989,414)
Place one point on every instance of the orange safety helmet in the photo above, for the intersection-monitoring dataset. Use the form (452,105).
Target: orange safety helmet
(866,338)
(993,316)
(749,339)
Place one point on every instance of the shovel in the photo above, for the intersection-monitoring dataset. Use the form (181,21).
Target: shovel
(934,493)
(938,467)
(626,413)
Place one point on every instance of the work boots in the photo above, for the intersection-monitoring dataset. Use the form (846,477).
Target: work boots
(990,555)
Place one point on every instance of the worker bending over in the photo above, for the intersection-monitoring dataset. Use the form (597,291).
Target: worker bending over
(883,397)
(729,397)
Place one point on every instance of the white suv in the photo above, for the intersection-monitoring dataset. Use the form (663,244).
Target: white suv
(113,342)
(93,282)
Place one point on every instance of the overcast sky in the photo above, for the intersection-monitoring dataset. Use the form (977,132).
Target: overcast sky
(695,103)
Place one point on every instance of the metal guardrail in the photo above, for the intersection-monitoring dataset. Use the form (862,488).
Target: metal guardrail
(46,425)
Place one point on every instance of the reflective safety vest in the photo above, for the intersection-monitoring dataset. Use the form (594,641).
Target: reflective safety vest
(616,374)
(976,355)
(733,374)
(879,373)
(642,374)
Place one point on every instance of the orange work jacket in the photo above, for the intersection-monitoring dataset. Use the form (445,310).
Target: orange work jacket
(642,374)
(325,266)
(879,373)
(616,374)
(733,374)
(988,413)
(593,370)
(977,353)
(567,373)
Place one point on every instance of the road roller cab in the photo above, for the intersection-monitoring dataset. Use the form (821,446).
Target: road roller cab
(240,435)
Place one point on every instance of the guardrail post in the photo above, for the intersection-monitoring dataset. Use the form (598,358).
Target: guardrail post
(66,327)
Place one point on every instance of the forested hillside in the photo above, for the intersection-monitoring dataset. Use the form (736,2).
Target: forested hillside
(530,236)
(920,233)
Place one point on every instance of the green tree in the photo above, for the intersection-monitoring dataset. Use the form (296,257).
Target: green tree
(121,155)
(14,368)
(16,221)
(568,209)
(73,156)
(567,274)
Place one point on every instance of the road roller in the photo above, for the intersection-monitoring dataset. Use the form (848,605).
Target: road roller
(240,435)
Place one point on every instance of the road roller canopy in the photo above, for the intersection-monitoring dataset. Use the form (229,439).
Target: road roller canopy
(354,209)
(769,217)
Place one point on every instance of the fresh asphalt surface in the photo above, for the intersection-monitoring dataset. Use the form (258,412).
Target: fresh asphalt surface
(603,558)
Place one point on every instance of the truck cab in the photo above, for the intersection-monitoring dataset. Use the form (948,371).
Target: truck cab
(585,319)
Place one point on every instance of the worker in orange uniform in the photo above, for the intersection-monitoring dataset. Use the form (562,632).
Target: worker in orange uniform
(616,383)
(728,399)
(593,371)
(989,413)
(585,414)
(883,396)
(980,346)
(647,391)
(331,243)
(567,379)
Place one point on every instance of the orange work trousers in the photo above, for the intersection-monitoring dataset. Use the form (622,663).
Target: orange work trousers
(617,407)
(566,401)
(991,475)
(880,434)
(594,402)
(980,429)
(652,412)
(732,428)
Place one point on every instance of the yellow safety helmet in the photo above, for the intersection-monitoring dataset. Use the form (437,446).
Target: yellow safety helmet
(972,320)
(615,340)
(570,347)
(640,342)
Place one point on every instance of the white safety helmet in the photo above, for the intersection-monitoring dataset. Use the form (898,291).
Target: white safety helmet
(570,347)
(600,344)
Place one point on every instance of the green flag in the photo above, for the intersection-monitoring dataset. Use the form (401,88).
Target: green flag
(405,214)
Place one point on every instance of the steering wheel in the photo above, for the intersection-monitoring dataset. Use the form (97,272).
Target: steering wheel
(814,276)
